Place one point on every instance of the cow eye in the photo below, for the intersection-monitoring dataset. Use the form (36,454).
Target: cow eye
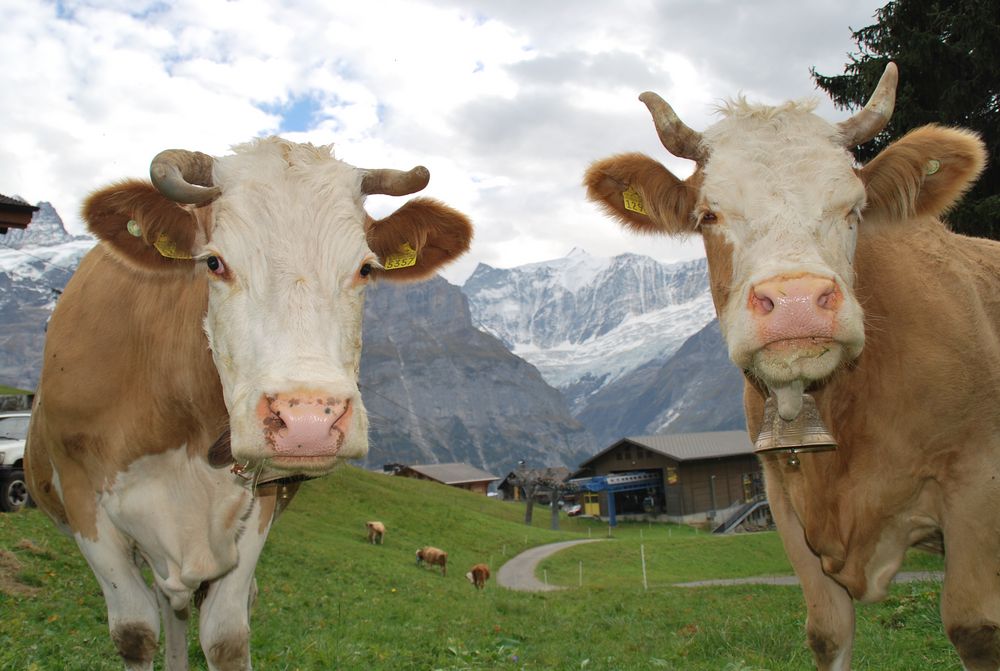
(215,265)
(707,217)
(365,270)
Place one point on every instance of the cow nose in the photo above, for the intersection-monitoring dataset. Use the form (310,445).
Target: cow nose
(807,292)
(795,307)
(305,424)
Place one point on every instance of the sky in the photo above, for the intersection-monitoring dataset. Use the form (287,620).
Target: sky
(505,101)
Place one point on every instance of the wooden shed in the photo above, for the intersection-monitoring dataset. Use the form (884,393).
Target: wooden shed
(690,478)
(463,476)
(14,213)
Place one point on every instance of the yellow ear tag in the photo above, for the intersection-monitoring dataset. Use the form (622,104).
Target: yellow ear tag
(933,166)
(168,248)
(633,201)
(404,258)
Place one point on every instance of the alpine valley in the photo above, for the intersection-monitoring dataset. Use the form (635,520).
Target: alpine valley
(547,363)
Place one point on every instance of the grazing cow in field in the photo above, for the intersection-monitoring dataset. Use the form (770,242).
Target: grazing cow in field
(376,532)
(478,575)
(841,281)
(202,361)
(433,557)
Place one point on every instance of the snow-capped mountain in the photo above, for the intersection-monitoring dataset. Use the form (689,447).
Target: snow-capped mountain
(46,230)
(585,321)
(35,265)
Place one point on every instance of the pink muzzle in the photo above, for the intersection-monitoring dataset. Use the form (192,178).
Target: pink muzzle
(794,308)
(305,424)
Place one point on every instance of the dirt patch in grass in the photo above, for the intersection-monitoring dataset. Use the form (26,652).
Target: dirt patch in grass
(10,569)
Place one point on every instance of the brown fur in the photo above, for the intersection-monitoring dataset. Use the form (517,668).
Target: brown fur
(231,653)
(478,575)
(434,557)
(897,182)
(667,200)
(108,211)
(438,233)
(979,647)
(136,643)
(161,327)
(376,532)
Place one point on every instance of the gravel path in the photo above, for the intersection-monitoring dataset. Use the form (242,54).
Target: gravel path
(519,572)
(903,576)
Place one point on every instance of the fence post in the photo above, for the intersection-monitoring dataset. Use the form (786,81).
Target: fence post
(642,551)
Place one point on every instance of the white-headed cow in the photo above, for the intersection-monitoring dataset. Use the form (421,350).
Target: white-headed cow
(202,361)
(841,281)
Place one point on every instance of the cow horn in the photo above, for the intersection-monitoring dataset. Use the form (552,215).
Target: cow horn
(867,123)
(678,139)
(184,176)
(394,182)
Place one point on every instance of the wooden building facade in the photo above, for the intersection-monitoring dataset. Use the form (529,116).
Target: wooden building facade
(698,476)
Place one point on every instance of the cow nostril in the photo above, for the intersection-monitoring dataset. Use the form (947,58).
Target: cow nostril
(828,299)
(762,302)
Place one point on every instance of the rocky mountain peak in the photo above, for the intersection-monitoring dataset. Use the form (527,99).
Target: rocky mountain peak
(46,229)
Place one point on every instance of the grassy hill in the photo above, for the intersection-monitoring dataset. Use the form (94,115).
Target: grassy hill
(328,600)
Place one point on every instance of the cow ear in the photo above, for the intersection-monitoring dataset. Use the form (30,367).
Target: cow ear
(142,227)
(418,238)
(642,195)
(923,173)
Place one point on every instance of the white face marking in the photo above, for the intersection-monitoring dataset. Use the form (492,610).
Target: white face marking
(787,201)
(286,315)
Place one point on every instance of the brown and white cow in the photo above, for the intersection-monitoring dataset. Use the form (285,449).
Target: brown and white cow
(376,532)
(478,575)
(225,299)
(434,557)
(841,281)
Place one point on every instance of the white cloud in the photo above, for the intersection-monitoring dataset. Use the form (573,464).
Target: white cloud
(506,101)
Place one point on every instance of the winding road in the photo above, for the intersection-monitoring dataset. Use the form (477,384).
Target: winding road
(519,572)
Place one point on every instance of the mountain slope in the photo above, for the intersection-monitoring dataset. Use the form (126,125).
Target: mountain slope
(697,389)
(35,265)
(438,389)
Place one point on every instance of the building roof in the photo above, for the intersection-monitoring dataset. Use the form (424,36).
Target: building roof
(13,202)
(452,474)
(687,446)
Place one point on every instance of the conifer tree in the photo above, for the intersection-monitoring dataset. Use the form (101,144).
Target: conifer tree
(948,53)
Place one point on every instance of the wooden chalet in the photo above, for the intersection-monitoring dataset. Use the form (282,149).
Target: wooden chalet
(14,213)
(463,476)
(690,478)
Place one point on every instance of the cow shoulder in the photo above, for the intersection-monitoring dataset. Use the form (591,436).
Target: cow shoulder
(642,195)
(143,228)
(435,232)
(923,173)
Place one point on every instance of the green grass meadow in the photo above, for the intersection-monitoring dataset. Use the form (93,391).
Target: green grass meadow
(329,600)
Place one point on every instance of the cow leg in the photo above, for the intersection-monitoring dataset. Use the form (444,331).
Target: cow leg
(225,613)
(174,633)
(829,608)
(970,595)
(133,617)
